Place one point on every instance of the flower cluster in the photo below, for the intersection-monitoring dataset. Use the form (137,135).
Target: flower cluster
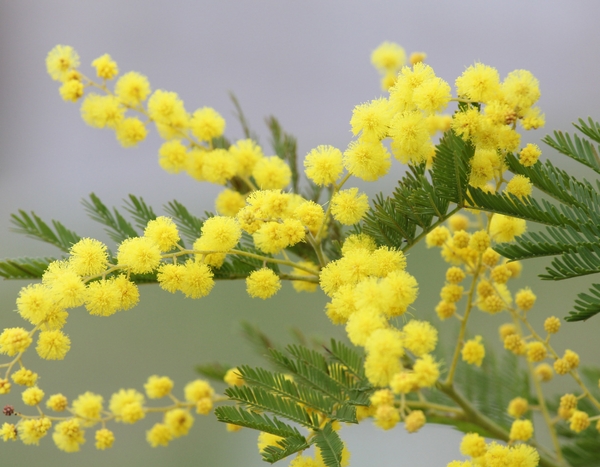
(284,235)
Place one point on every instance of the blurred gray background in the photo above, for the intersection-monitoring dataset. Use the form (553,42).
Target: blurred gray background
(306,62)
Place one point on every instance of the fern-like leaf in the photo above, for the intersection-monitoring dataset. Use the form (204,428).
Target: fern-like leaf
(330,445)
(285,146)
(140,211)
(190,226)
(256,421)
(586,305)
(285,447)
(24,268)
(262,400)
(117,227)
(33,226)
(576,148)
(214,371)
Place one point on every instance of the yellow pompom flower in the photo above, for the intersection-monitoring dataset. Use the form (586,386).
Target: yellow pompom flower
(218,166)
(159,435)
(451,292)
(198,389)
(33,429)
(433,95)
(445,310)
(68,435)
(272,173)
(561,366)
(411,141)
(455,275)
(414,421)
(57,402)
(229,203)
(323,165)
(163,232)
(473,444)
(386,416)
(246,154)
(479,241)
(461,239)
(71,90)
(166,108)
(520,89)
(409,79)
(171,277)
(384,348)
(348,206)
(104,439)
(479,82)
(427,371)
(89,407)
(420,337)
(387,260)
(404,382)
(172,156)
(126,405)
(197,280)
(132,88)
(518,407)
(310,214)
(437,237)
(529,155)
(536,351)
(129,295)
(102,298)
(8,432)
(32,396)
(505,228)
(520,186)
(220,233)
(140,255)
(106,67)
(579,421)
(60,61)
(473,351)
(388,56)
(367,160)
(533,118)
(34,303)
(362,323)
(207,124)
(263,283)
(158,386)
(53,345)
(5,386)
(179,422)
(402,288)
(14,341)
(521,430)
(572,358)
(270,237)
(552,325)
(102,111)
(525,299)
(515,344)
(233,378)
(372,120)
(130,132)
(543,372)
(24,377)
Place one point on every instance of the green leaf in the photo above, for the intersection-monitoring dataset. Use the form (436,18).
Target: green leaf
(350,358)
(285,146)
(586,305)
(330,445)
(258,398)
(450,171)
(576,148)
(248,133)
(286,447)
(256,421)
(117,227)
(140,211)
(24,268)
(34,227)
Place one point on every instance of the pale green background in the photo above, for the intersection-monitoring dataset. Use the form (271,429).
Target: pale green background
(306,62)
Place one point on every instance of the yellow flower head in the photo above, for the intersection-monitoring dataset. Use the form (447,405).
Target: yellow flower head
(140,255)
(197,390)
(71,90)
(246,154)
(207,124)
(163,232)
(363,323)
(367,160)
(126,405)
(410,137)
(57,402)
(159,435)
(521,430)
(172,156)
(529,155)
(33,429)
(53,345)
(552,325)
(473,351)
(388,56)
(106,67)
(179,422)
(89,407)
(197,280)
(427,371)
(158,386)
(505,228)
(218,166)
(348,206)
(103,297)
(32,396)
(68,435)
(414,421)
(520,89)
(473,444)
(479,82)
(229,203)
(520,186)
(166,108)
(14,341)
(220,233)
(24,377)
(386,416)
(102,111)
(104,439)
(433,95)
(272,173)
(132,88)
(130,132)
(420,337)
(372,120)
(60,61)
(263,283)
(34,303)
(323,165)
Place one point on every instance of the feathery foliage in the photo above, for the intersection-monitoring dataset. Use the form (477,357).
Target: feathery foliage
(33,226)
